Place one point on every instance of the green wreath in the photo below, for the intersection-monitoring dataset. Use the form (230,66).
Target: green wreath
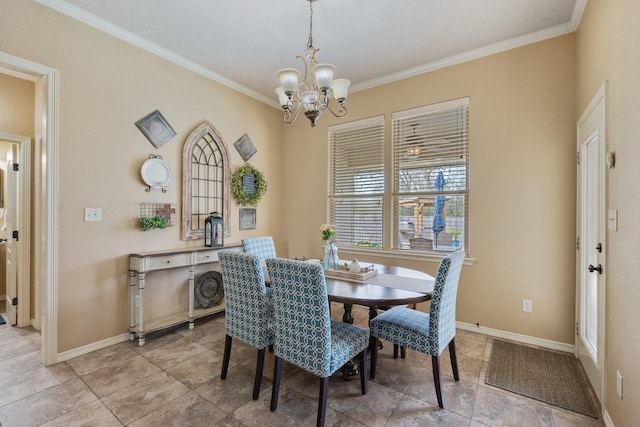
(238,189)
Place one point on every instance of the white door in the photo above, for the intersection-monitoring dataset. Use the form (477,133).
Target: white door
(591,248)
(10,218)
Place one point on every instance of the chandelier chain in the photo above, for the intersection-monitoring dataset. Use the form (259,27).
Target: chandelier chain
(310,42)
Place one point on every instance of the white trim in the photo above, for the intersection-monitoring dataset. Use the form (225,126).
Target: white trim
(432,108)
(46,207)
(607,419)
(371,121)
(98,345)
(525,339)
(109,28)
(128,37)
(400,254)
(471,55)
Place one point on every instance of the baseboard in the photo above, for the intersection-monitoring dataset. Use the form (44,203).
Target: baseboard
(99,345)
(526,339)
(607,419)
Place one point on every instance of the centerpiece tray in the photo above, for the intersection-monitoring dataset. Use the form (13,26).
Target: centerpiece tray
(343,273)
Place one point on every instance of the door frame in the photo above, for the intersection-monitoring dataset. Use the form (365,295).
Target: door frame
(582,135)
(23,192)
(45,191)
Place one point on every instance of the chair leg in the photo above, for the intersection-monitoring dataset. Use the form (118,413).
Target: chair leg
(435,361)
(259,369)
(363,371)
(454,359)
(225,358)
(403,352)
(395,351)
(322,401)
(373,351)
(275,390)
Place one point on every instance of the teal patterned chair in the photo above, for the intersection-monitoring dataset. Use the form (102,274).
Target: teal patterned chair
(426,333)
(248,312)
(305,336)
(262,247)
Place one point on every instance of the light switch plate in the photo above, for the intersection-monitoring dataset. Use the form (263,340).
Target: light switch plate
(92,214)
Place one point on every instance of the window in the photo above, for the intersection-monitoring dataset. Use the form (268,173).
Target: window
(205,182)
(430,177)
(356,182)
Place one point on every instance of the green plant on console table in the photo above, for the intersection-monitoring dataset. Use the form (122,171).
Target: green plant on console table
(151,223)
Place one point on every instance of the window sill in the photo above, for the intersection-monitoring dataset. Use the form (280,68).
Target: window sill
(400,254)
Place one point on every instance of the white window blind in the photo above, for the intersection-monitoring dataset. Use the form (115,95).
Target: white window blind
(356,182)
(430,176)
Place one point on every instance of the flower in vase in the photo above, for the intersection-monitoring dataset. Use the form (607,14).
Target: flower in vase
(328,232)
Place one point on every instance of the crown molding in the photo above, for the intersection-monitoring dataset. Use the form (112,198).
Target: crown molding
(92,20)
(109,28)
(482,52)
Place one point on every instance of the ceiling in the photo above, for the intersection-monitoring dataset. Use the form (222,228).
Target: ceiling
(243,43)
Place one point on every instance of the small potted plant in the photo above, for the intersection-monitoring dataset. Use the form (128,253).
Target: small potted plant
(152,223)
(455,233)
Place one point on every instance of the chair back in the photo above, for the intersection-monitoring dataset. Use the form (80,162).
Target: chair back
(247,311)
(442,315)
(262,247)
(301,312)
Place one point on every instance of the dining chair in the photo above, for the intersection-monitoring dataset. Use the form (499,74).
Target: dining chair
(261,246)
(248,310)
(426,333)
(304,334)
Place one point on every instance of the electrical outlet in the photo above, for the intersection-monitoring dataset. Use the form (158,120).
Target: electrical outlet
(527,305)
(619,384)
(92,214)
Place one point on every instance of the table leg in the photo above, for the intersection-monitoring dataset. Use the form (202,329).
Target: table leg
(350,369)
(347,317)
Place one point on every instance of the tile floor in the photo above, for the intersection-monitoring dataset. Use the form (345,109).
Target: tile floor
(174,380)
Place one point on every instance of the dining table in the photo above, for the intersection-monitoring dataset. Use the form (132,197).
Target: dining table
(390,286)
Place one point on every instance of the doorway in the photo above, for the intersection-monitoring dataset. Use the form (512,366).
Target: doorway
(45,200)
(16,228)
(591,244)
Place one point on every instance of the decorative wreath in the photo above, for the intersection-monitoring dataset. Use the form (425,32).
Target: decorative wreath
(238,190)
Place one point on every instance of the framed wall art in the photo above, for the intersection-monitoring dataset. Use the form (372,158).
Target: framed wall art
(245,147)
(156,128)
(247,219)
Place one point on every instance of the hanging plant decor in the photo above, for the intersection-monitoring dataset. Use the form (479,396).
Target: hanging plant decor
(248,185)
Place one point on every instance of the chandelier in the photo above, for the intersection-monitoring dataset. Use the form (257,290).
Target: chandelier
(315,89)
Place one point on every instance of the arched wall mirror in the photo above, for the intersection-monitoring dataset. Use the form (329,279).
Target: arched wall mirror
(205,180)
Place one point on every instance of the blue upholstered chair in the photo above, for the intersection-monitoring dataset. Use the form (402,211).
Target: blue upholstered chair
(426,333)
(305,336)
(248,309)
(262,247)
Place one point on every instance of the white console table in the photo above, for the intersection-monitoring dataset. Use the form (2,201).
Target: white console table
(142,263)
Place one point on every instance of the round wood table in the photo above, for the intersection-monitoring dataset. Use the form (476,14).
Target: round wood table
(391,286)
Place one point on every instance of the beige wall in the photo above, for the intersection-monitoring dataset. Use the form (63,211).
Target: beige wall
(522,181)
(106,85)
(607,50)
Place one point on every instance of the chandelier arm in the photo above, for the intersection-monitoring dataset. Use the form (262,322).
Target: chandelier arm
(341,112)
(291,116)
(304,82)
